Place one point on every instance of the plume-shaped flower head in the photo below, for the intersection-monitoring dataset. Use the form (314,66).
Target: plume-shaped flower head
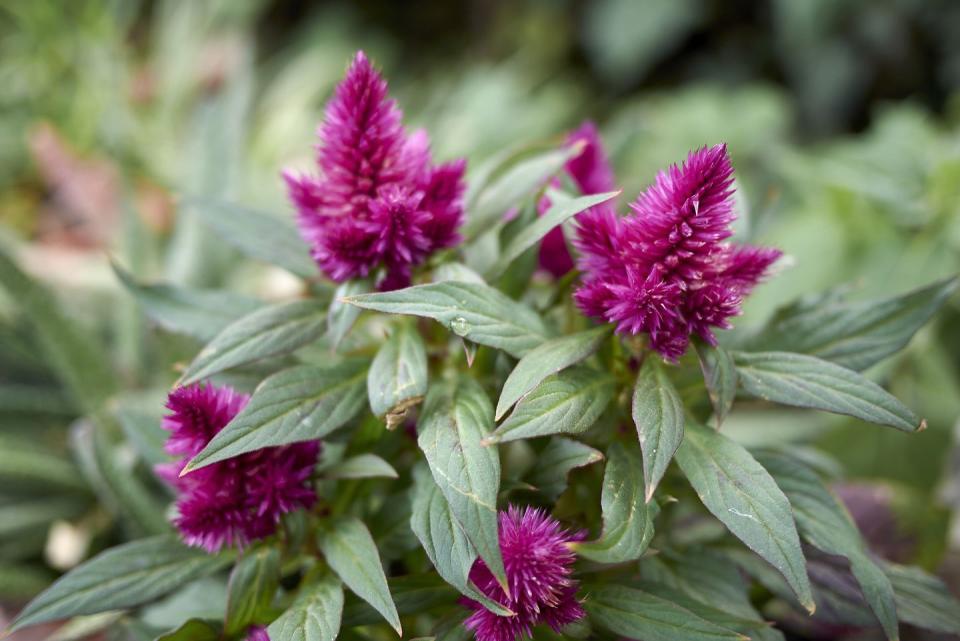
(666,270)
(538,562)
(238,500)
(591,173)
(378,200)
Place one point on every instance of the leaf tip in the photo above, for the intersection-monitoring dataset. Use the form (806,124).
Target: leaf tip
(923,425)
(487,441)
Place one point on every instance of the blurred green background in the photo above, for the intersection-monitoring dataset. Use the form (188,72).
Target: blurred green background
(842,117)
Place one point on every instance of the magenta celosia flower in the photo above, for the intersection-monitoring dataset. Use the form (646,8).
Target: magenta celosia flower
(666,270)
(379,201)
(538,562)
(590,171)
(238,500)
(257,633)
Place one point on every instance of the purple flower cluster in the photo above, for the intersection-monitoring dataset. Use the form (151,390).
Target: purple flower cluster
(666,270)
(538,562)
(241,499)
(379,199)
(590,171)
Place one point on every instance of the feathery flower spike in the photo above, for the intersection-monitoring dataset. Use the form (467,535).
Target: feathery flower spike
(539,563)
(378,201)
(241,499)
(666,270)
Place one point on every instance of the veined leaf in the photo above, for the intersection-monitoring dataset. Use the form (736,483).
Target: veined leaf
(253,584)
(806,381)
(398,374)
(923,600)
(658,416)
(413,594)
(556,461)
(458,272)
(272,239)
(549,358)
(270,331)
(560,210)
(349,549)
(314,616)
(627,517)
(568,402)
(454,421)
(475,312)
(121,577)
(362,466)
(341,316)
(196,312)
(642,615)
(443,539)
(825,523)
(854,335)
(743,495)
(720,377)
(302,403)
(520,181)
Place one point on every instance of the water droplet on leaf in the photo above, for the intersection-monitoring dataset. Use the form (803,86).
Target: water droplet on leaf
(460,326)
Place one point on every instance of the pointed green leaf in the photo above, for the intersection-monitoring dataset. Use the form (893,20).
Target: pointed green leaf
(314,616)
(549,358)
(658,417)
(743,495)
(302,403)
(267,237)
(362,466)
(252,586)
(270,331)
(568,402)
(556,461)
(443,539)
(642,615)
(349,549)
(458,272)
(413,594)
(476,312)
(806,381)
(121,577)
(720,376)
(627,517)
(560,210)
(924,600)
(341,316)
(398,374)
(854,335)
(825,523)
(454,421)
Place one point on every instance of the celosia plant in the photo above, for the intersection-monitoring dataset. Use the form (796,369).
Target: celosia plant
(519,436)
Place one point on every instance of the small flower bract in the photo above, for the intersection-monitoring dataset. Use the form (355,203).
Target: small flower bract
(239,500)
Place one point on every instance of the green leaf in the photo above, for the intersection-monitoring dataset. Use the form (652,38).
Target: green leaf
(520,181)
(743,495)
(252,586)
(272,239)
(413,594)
(341,316)
(26,516)
(556,461)
(720,377)
(349,549)
(454,421)
(627,517)
(302,403)
(825,523)
(314,616)
(560,210)
(549,358)
(854,335)
(201,313)
(26,462)
(398,374)
(121,577)
(194,630)
(78,358)
(270,331)
(642,615)
(475,312)
(568,402)
(923,600)
(658,417)
(362,466)
(806,381)
(457,272)
(443,539)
